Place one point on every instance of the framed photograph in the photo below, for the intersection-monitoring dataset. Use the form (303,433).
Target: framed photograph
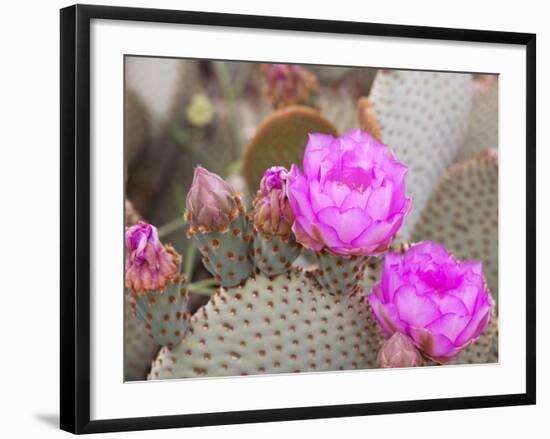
(275,218)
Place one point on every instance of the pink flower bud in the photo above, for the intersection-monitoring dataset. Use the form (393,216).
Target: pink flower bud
(150,266)
(212,204)
(288,84)
(399,351)
(272,212)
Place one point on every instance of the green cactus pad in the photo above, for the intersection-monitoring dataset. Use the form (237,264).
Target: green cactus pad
(483,127)
(462,214)
(281,140)
(274,254)
(225,255)
(139,348)
(424,118)
(280,325)
(164,313)
(339,274)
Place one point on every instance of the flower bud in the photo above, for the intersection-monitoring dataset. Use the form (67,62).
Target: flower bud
(212,204)
(288,84)
(399,351)
(272,212)
(150,266)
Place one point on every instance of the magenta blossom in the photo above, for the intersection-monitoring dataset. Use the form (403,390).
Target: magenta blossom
(399,351)
(150,266)
(438,301)
(272,212)
(351,197)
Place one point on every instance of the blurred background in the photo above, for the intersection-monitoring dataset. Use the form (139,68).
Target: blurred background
(180,113)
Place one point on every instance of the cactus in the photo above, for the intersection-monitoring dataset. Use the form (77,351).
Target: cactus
(483,126)
(282,325)
(424,118)
(139,348)
(280,141)
(218,225)
(274,247)
(274,254)
(225,254)
(271,315)
(339,274)
(286,324)
(164,313)
(298,321)
(462,213)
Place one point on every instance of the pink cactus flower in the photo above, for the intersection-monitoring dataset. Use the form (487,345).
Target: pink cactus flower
(351,197)
(212,204)
(272,212)
(441,303)
(150,266)
(399,351)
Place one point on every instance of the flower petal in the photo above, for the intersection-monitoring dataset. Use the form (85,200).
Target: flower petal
(474,266)
(297,193)
(316,149)
(475,327)
(348,224)
(452,304)
(319,200)
(390,278)
(378,206)
(450,325)
(386,315)
(435,250)
(357,199)
(336,190)
(414,309)
(438,347)
(304,238)
(379,232)
(468,295)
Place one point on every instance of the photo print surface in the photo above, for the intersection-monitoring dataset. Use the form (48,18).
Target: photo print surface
(286,218)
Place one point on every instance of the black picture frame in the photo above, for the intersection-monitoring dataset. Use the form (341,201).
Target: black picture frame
(75,217)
